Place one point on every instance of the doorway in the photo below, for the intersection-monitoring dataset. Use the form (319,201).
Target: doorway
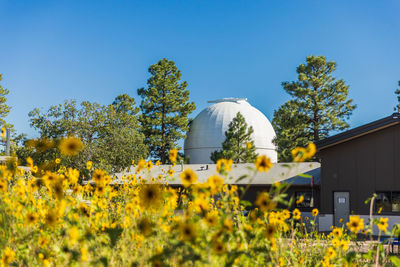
(341,207)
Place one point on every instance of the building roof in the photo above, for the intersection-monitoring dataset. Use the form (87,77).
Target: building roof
(359,131)
(207,130)
(280,172)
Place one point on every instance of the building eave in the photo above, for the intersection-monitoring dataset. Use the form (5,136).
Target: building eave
(365,129)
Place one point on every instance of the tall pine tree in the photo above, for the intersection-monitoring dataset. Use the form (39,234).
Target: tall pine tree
(165,109)
(4,108)
(397,93)
(319,105)
(238,144)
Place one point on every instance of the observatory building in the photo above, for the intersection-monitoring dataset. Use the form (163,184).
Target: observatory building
(207,130)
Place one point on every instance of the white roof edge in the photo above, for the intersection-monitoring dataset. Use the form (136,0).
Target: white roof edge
(278,173)
(228,99)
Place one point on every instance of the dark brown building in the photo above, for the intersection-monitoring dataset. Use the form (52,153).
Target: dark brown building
(356,164)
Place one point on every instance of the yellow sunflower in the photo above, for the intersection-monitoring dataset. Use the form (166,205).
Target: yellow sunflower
(269,232)
(173,154)
(310,150)
(70,146)
(58,189)
(382,224)
(144,226)
(51,218)
(42,242)
(263,163)
(224,165)
(50,177)
(344,245)
(89,165)
(150,196)
(31,218)
(43,144)
(100,190)
(211,220)
(149,165)
(286,214)
(188,177)
(335,242)
(300,200)
(215,183)
(3,186)
(264,202)
(98,176)
(296,214)
(314,212)
(73,234)
(337,232)
(8,256)
(218,247)
(84,209)
(187,231)
(330,253)
(140,165)
(299,154)
(29,162)
(355,224)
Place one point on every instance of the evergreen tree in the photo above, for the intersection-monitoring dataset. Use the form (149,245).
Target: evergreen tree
(238,144)
(319,105)
(165,109)
(397,92)
(4,109)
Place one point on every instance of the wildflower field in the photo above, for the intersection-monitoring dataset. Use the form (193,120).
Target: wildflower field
(50,217)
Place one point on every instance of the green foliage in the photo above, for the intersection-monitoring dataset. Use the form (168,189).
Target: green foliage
(165,109)
(397,93)
(395,260)
(4,109)
(319,105)
(114,234)
(109,133)
(238,144)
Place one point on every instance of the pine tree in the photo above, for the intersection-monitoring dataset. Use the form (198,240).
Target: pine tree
(165,109)
(4,109)
(319,106)
(238,144)
(397,93)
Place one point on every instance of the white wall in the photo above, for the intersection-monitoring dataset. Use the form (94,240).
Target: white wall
(202,155)
(325,221)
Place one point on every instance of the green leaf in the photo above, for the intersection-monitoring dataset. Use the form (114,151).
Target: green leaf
(246,203)
(395,260)
(241,178)
(305,175)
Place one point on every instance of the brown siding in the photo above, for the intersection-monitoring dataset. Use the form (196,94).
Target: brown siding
(361,166)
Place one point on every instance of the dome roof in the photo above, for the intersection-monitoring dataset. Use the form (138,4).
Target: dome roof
(207,130)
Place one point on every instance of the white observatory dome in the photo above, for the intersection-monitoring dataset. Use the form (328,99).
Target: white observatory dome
(207,130)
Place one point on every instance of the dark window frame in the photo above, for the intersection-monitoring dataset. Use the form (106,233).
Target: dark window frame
(301,205)
(388,206)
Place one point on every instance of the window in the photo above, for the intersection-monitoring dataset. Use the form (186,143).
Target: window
(388,201)
(308,199)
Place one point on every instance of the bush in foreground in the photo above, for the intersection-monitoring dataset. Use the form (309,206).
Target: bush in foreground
(48,219)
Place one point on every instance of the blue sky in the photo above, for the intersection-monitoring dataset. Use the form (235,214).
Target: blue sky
(95,50)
